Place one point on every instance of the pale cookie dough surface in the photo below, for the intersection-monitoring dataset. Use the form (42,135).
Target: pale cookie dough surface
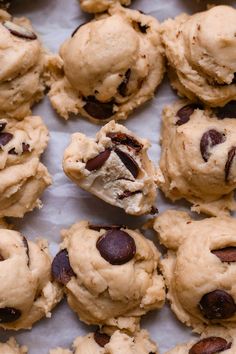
(27,292)
(105,288)
(117,343)
(22,59)
(108,67)
(94,6)
(115,167)
(201,286)
(198,157)
(201,50)
(11,347)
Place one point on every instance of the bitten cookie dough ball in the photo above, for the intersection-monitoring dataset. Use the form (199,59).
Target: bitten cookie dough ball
(114,167)
(23,177)
(199,268)
(27,292)
(198,156)
(202,55)
(94,6)
(109,273)
(22,60)
(117,343)
(110,66)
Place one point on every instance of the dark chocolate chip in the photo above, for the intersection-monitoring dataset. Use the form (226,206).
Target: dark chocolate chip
(229,162)
(116,247)
(128,194)
(210,139)
(234,79)
(154,210)
(5,138)
(26,245)
(217,305)
(2,126)
(122,89)
(98,161)
(185,113)
(128,161)
(19,31)
(143,28)
(61,269)
(228,111)
(97,109)
(125,139)
(106,227)
(227,254)
(9,314)
(25,148)
(210,345)
(101,338)
(77,28)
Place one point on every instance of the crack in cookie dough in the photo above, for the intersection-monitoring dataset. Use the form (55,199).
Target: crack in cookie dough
(11,347)
(94,6)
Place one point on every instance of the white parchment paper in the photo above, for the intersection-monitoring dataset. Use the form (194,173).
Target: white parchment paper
(64,202)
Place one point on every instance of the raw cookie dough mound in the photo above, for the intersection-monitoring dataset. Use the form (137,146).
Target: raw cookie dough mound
(11,347)
(23,177)
(117,343)
(108,67)
(201,50)
(27,291)
(109,274)
(21,60)
(199,268)
(94,6)
(114,167)
(198,156)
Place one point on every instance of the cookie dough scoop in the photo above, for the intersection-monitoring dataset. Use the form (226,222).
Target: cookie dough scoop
(94,6)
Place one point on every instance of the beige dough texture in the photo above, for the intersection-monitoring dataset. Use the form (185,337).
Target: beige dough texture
(109,274)
(198,156)
(117,343)
(23,176)
(115,167)
(94,6)
(27,292)
(22,59)
(108,67)
(201,51)
(11,347)
(199,268)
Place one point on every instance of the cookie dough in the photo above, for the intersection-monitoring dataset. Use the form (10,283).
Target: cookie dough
(94,6)
(198,156)
(114,167)
(201,53)
(22,60)
(23,177)
(11,347)
(109,274)
(199,268)
(27,292)
(108,67)
(117,343)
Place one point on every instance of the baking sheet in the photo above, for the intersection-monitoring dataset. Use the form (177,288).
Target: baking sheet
(64,203)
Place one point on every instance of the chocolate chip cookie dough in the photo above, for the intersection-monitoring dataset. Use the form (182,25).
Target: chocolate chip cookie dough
(11,347)
(21,60)
(23,177)
(198,156)
(200,279)
(109,274)
(202,55)
(114,167)
(94,6)
(27,291)
(108,67)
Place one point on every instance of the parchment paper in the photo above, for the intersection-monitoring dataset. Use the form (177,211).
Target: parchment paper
(64,202)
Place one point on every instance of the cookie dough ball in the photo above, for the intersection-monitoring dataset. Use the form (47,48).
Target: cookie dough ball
(11,347)
(94,6)
(117,343)
(202,55)
(27,291)
(23,177)
(114,167)
(198,156)
(200,279)
(109,274)
(21,60)
(110,66)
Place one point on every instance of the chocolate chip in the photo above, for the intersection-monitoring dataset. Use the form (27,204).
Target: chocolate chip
(116,247)
(9,314)
(227,254)
(106,227)
(228,111)
(2,126)
(25,148)
(185,113)
(77,28)
(98,161)
(26,245)
(122,89)
(125,139)
(234,79)
(217,305)
(229,162)
(101,338)
(210,345)
(5,138)
(128,194)
(128,161)
(61,269)
(19,31)
(209,139)
(98,110)
(143,28)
